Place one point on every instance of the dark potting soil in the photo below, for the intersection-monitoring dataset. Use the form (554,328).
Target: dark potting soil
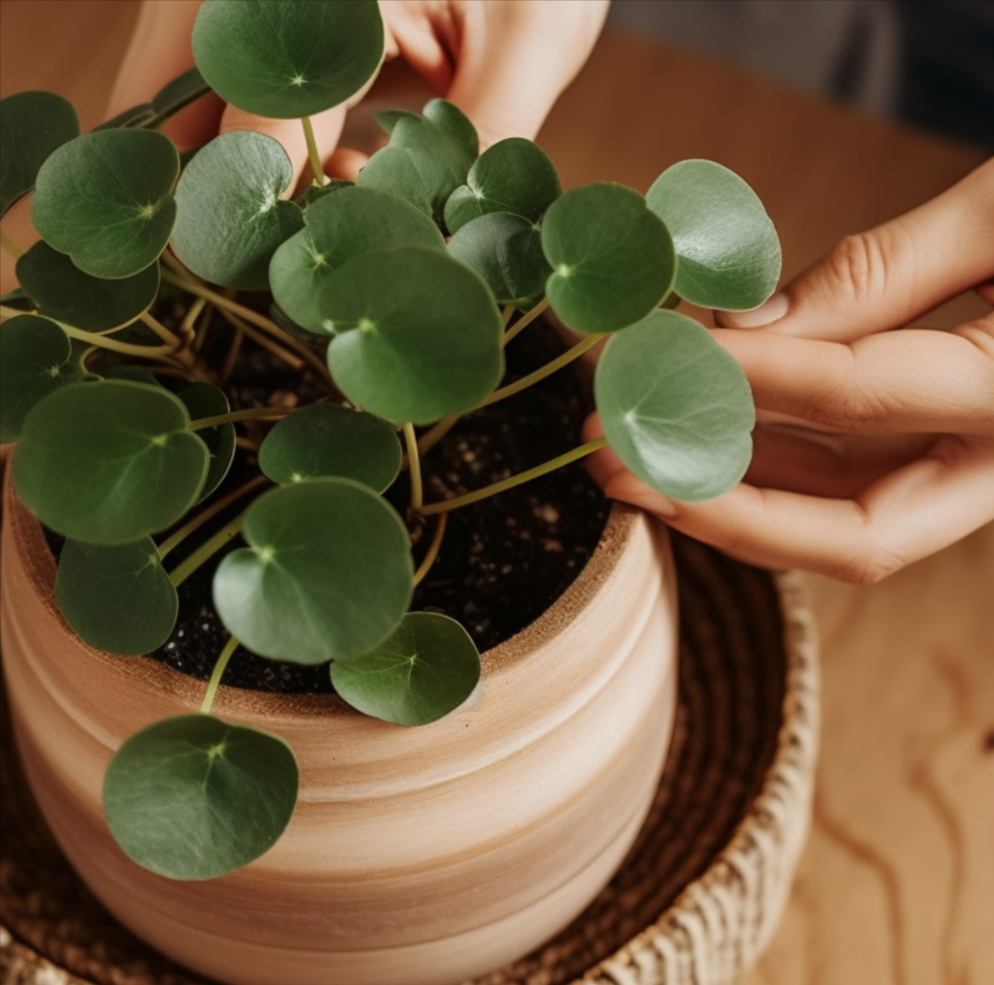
(503,561)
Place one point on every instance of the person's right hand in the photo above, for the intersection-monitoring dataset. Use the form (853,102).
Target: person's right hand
(503,62)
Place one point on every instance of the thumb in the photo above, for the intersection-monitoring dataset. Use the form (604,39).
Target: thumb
(514,62)
(890,275)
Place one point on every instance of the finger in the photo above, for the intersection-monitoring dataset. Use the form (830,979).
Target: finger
(423,37)
(908,381)
(345,163)
(513,61)
(912,512)
(889,275)
(290,133)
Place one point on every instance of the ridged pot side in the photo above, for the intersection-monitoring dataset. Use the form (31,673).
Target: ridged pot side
(415,856)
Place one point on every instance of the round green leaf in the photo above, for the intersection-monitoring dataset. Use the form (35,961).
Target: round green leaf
(282,58)
(515,175)
(193,797)
(109,462)
(424,670)
(326,440)
(427,159)
(32,126)
(35,360)
(63,292)
(327,573)
(506,250)
(612,259)
(105,199)
(205,400)
(728,249)
(676,407)
(339,227)
(418,335)
(116,598)
(231,218)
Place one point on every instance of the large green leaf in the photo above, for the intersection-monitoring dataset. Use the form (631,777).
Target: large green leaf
(515,175)
(728,249)
(612,259)
(64,292)
(205,400)
(424,670)
(326,440)
(327,573)
(35,360)
(282,58)
(32,126)
(339,227)
(507,252)
(109,462)
(193,797)
(417,334)
(230,217)
(676,407)
(427,159)
(116,598)
(106,199)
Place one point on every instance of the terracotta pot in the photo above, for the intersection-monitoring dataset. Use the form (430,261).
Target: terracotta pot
(416,856)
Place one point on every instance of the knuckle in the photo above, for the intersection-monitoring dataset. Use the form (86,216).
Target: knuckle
(861,266)
(870,565)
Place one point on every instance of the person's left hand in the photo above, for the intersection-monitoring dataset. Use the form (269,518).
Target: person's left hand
(875,447)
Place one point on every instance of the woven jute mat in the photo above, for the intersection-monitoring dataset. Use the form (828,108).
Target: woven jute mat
(698,896)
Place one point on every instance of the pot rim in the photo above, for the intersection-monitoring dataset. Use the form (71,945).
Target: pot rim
(144,671)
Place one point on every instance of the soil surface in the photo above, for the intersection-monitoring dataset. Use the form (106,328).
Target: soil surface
(503,561)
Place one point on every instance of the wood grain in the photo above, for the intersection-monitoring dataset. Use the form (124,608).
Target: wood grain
(896,886)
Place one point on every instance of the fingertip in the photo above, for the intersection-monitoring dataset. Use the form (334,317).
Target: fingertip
(769,313)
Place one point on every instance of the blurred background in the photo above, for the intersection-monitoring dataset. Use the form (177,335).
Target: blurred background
(929,63)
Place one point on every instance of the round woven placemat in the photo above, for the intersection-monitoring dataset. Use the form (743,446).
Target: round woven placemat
(695,901)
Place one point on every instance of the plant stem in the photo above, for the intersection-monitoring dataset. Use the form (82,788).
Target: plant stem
(312,152)
(10,246)
(433,549)
(514,480)
(187,327)
(218,673)
(206,551)
(251,414)
(542,372)
(525,320)
(212,511)
(414,462)
(295,362)
(431,438)
(506,315)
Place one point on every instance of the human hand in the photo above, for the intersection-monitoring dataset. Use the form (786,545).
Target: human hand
(878,446)
(503,63)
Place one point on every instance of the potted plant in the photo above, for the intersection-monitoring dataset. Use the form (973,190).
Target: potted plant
(401,854)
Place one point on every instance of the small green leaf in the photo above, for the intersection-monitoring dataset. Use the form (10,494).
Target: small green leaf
(192,797)
(515,175)
(64,292)
(116,598)
(35,360)
(676,407)
(105,199)
(327,573)
(205,400)
(339,227)
(326,440)
(231,218)
(427,159)
(142,115)
(32,126)
(318,341)
(281,58)
(168,101)
(612,259)
(109,462)
(423,671)
(506,250)
(316,192)
(417,334)
(728,249)
(18,300)
(134,374)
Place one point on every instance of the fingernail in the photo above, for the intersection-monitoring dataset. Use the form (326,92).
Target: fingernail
(766,314)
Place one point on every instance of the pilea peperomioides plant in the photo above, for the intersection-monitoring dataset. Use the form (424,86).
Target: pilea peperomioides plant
(399,292)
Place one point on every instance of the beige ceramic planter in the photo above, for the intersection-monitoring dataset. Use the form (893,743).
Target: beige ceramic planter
(416,856)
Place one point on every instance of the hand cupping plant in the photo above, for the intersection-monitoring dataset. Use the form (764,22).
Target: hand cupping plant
(400,293)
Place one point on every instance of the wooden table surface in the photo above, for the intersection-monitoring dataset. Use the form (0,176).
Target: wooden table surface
(896,886)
